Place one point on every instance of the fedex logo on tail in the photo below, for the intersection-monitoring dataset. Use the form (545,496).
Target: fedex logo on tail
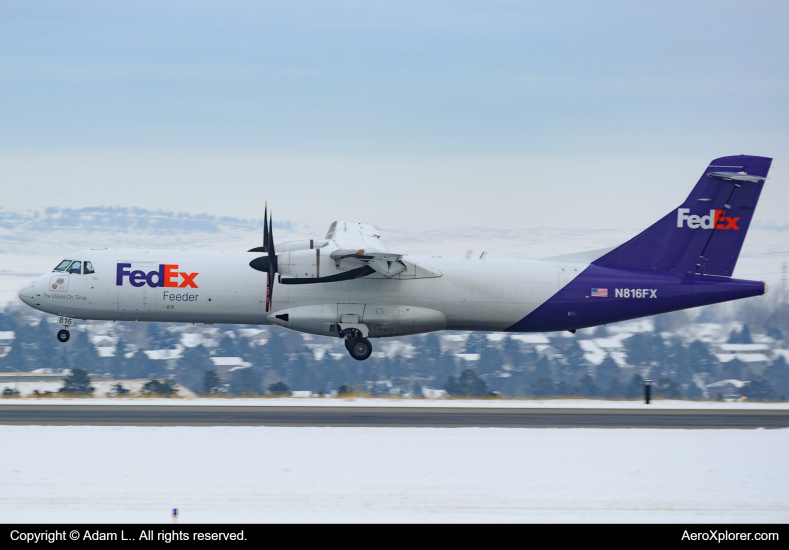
(166,276)
(715,220)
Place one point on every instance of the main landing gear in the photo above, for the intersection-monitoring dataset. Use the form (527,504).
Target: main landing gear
(359,348)
(63,334)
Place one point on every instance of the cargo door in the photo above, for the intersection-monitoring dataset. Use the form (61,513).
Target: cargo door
(142,299)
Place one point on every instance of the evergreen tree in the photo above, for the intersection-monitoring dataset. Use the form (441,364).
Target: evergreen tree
(774,332)
(666,387)
(734,369)
(467,385)
(211,383)
(158,388)
(160,337)
(616,390)
(563,389)
(7,322)
(699,357)
(280,389)
(14,361)
(445,367)
(777,374)
(692,391)
(82,352)
(759,390)
(303,372)
(543,387)
(542,369)
(573,363)
(245,382)
(30,349)
(228,346)
(683,371)
(140,365)
(78,382)
(490,360)
(275,352)
(635,388)
(476,342)
(645,349)
(743,337)
(430,350)
(511,350)
(587,387)
(192,367)
(606,372)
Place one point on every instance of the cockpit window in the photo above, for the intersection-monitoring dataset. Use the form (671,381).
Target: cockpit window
(88,268)
(75,268)
(62,266)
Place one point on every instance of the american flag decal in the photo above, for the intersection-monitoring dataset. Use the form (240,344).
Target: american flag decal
(599,293)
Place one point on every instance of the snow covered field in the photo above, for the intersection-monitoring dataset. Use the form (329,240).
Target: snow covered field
(263,474)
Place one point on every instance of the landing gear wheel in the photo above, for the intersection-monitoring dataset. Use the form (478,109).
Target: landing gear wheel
(347,345)
(63,335)
(360,348)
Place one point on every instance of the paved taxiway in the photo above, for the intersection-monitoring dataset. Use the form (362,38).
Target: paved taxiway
(447,417)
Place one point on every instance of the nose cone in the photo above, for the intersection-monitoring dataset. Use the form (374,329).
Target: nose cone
(28,293)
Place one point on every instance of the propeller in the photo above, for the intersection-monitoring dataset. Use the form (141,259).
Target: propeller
(268,263)
(265,233)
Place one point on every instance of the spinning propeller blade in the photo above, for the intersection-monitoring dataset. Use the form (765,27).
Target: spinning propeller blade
(263,248)
(268,263)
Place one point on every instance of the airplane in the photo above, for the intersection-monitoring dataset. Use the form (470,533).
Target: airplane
(349,285)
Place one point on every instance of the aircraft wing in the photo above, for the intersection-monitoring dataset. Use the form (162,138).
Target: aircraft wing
(356,236)
(385,263)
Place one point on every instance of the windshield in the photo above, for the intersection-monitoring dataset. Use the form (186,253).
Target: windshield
(62,266)
(88,268)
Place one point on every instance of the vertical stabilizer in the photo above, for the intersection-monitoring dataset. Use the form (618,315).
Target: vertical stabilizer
(704,235)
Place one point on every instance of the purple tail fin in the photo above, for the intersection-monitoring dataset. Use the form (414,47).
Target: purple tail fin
(705,234)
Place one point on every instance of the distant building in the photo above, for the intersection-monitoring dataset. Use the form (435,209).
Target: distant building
(226,365)
(6,341)
(729,389)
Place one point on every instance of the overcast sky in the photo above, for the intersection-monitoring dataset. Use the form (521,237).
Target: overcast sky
(420,114)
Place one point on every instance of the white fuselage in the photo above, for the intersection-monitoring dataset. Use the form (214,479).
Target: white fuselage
(221,287)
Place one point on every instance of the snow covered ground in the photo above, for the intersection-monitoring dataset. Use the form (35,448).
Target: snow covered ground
(264,474)
(396,402)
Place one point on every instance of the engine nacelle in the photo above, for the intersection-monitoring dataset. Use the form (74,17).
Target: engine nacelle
(292,246)
(300,264)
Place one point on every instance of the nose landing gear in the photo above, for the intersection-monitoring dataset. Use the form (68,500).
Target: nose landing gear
(360,348)
(63,334)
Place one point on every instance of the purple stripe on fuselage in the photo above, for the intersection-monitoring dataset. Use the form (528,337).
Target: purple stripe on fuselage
(632,293)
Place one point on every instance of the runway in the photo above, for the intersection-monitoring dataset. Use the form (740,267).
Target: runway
(444,417)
